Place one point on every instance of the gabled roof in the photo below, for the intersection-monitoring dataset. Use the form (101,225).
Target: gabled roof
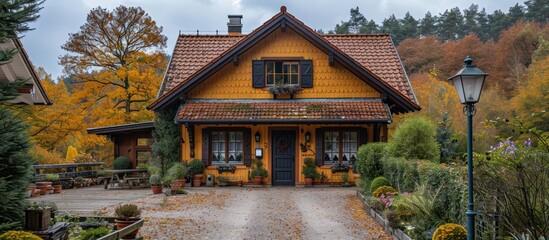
(287,111)
(20,67)
(371,57)
(122,129)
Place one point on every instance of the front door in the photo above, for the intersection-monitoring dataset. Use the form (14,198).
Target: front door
(283,155)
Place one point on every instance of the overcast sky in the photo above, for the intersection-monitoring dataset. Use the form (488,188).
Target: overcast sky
(61,17)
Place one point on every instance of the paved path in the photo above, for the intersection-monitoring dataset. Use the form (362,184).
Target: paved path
(86,200)
(236,213)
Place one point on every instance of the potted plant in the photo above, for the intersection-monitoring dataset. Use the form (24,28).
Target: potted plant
(280,89)
(196,168)
(258,172)
(222,181)
(156,183)
(309,171)
(54,179)
(225,168)
(345,179)
(340,168)
(127,214)
(177,173)
(31,189)
(78,181)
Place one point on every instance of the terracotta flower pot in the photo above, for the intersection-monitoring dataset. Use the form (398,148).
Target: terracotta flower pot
(197,180)
(181,182)
(308,182)
(357,179)
(258,180)
(174,187)
(121,223)
(156,189)
(57,188)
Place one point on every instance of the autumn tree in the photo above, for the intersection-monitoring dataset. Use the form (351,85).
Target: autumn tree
(420,54)
(15,162)
(116,58)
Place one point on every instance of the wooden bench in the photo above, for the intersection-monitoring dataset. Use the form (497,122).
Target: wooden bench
(234,180)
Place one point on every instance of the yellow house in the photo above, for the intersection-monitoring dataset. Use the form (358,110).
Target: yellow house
(281,94)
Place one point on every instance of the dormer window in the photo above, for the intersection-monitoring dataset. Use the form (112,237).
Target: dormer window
(280,72)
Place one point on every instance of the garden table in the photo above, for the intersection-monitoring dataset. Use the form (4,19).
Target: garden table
(123,176)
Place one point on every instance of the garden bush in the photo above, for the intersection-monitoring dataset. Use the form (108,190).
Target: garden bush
(369,160)
(9,235)
(401,173)
(450,231)
(122,162)
(93,233)
(383,190)
(415,138)
(378,182)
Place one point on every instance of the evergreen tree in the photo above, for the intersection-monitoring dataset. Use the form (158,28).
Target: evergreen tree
(498,22)
(483,25)
(369,28)
(15,162)
(470,16)
(445,139)
(342,29)
(357,21)
(450,25)
(392,26)
(538,10)
(427,25)
(515,13)
(408,26)
(167,145)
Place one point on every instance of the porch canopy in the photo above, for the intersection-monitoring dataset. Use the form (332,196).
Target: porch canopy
(284,111)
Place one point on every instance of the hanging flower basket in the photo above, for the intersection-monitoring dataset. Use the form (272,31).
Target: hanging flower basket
(226,168)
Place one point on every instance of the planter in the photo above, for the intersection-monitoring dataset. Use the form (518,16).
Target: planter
(197,180)
(37,219)
(57,188)
(120,224)
(308,182)
(258,180)
(222,184)
(156,189)
(181,182)
(174,187)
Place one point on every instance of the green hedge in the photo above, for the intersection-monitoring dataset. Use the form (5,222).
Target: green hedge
(369,160)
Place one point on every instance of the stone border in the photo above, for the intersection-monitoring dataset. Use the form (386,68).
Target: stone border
(396,234)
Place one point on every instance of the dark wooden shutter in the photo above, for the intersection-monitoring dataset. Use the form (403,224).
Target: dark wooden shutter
(362,136)
(258,73)
(206,146)
(247,141)
(306,69)
(319,143)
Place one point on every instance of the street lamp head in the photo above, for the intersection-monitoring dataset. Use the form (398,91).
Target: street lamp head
(468,82)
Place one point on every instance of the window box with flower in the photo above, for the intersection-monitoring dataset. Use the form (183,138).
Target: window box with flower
(281,89)
(340,168)
(225,168)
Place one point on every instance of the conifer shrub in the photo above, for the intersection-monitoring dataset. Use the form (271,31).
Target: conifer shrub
(369,160)
(450,231)
(122,162)
(415,138)
(16,235)
(378,182)
(383,190)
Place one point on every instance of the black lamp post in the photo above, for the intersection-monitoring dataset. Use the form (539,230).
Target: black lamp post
(468,83)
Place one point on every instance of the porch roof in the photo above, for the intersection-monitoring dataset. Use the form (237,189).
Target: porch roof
(284,111)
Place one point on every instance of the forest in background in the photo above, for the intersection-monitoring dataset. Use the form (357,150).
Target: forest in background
(114,85)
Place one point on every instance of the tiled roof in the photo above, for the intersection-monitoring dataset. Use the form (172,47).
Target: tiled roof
(340,110)
(374,52)
(377,54)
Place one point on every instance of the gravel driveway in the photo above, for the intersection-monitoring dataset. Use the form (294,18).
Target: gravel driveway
(257,213)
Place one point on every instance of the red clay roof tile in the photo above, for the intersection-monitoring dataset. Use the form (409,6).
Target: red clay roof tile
(374,52)
(340,110)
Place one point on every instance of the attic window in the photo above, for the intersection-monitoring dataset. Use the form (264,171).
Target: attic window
(284,71)
(279,72)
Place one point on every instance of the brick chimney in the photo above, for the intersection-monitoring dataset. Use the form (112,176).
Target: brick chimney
(235,24)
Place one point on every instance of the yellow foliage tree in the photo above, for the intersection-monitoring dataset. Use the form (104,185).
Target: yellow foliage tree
(72,153)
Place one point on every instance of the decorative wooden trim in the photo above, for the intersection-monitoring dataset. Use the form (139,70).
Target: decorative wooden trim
(235,60)
(282,58)
(331,59)
(190,132)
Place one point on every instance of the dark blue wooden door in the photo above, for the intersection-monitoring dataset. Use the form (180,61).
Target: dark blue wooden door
(283,155)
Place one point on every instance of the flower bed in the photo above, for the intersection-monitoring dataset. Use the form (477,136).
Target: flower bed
(394,232)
